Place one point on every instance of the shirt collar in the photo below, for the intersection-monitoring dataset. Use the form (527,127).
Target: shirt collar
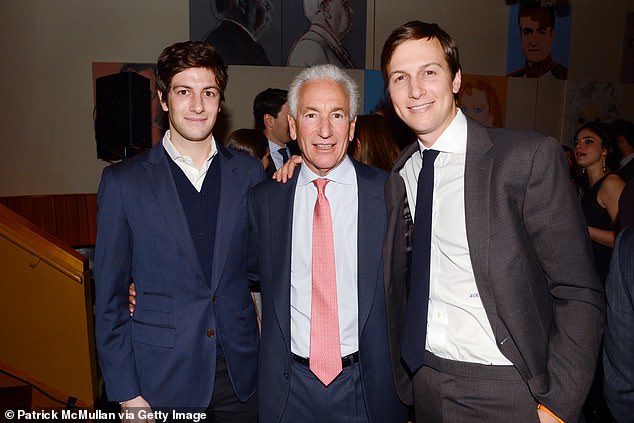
(454,137)
(176,156)
(342,174)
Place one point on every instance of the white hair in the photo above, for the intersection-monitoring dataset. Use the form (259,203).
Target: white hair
(321,73)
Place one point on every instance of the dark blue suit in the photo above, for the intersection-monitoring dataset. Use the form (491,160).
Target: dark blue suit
(271,217)
(167,351)
(618,339)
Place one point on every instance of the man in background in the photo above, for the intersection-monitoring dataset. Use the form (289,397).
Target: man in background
(618,342)
(624,131)
(270,111)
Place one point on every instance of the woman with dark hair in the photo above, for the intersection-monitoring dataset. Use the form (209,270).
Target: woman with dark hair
(373,143)
(597,154)
(252,142)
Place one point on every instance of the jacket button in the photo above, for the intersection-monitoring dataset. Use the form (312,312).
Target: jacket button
(210,333)
(285,375)
(213,299)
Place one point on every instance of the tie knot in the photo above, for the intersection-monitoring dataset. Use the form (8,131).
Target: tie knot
(320,183)
(284,153)
(429,156)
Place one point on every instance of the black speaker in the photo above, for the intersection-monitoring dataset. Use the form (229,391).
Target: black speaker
(123,119)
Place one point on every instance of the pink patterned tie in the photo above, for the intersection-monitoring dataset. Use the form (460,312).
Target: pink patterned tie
(325,351)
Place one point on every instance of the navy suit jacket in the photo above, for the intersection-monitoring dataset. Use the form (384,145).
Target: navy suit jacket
(618,341)
(271,217)
(167,351)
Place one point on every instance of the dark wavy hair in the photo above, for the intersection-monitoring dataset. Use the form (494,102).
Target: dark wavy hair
(189,54)
(605,132)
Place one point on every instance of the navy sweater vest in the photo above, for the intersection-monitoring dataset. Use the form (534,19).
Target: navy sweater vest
(201,210)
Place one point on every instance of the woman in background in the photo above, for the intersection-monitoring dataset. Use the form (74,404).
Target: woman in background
(252,142)
(373,143)
(597,154)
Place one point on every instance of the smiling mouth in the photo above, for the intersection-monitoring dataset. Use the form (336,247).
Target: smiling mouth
(420,107)
(323,146)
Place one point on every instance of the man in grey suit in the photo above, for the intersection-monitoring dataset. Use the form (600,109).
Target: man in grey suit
(618,342)
(506,326)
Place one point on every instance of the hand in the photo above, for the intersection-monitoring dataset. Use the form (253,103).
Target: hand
(544,417)
(131,298)
(137,410)
(284,173)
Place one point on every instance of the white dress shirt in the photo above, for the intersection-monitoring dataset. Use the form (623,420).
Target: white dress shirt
(457,324)
(342,194)
(277,158)
(195,175)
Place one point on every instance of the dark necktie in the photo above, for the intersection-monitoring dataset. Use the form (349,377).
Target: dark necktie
(415,330)
(284,154)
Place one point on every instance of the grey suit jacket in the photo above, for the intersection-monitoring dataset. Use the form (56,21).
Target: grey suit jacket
(531,259)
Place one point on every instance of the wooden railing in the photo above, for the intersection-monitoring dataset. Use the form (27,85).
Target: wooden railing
(71,218)
(46,314)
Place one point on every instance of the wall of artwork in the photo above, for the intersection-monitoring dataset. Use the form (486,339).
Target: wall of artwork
(49,48)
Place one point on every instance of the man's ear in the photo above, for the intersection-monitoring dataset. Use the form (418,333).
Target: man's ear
(163,103)
(292,130)
(457,82)
(268,120)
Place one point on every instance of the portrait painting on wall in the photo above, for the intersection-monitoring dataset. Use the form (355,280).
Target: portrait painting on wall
(587,101)
(278,33)
(159,118)
(483,98)
(538,40)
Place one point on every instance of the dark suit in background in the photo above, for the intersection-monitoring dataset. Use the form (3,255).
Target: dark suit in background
(618,340)
(167,351)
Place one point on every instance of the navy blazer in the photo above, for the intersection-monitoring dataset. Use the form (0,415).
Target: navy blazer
(271,219)
(167,351)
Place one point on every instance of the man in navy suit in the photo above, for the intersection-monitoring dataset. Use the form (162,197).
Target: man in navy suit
(323,105)
(174,220)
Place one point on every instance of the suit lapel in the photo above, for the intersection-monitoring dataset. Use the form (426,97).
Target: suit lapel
(164,189)
(231,191)
(281,226)
(477,186)
(368,236)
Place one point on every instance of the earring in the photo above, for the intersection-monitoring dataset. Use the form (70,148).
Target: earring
(604,167)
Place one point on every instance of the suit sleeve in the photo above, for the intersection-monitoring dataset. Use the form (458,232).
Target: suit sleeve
(618,344)
(113,260)
(252,257)
(556,226)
